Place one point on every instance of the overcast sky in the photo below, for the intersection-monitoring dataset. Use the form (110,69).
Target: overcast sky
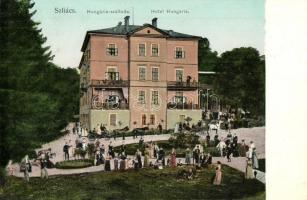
(226,23)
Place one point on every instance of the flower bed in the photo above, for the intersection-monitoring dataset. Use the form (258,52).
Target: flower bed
(74,164)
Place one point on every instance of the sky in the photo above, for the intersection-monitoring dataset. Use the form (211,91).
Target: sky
(227,24)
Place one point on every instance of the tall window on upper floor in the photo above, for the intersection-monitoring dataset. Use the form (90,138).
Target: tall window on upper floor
(142,73)
(155,97)
(179,53)
(141,98)
(112,50)
(112,74)
(142,50)
(154,50)
(179,75)
(155,73)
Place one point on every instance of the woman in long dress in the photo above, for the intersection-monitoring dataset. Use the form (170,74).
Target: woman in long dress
(218,174)
(173,158)
(255,159)
(146,159)
(249,169)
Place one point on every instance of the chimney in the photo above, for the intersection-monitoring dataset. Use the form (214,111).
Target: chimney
(154,22)
(127,23)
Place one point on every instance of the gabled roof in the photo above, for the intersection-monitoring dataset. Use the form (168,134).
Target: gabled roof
(121,30)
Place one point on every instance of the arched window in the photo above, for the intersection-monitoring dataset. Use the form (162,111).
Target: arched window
(144,119)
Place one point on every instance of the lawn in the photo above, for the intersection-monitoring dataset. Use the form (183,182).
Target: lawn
(131,184)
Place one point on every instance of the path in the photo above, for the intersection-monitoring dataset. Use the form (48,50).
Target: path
(255,134)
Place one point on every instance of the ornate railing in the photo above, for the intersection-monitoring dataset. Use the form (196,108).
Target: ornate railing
(185,85)
(109,83)
(189,106)
(110,106)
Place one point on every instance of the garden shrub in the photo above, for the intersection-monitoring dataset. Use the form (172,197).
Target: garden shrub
(74,164)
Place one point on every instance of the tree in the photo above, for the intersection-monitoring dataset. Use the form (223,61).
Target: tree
(37,98)
(207,60)
(240,79)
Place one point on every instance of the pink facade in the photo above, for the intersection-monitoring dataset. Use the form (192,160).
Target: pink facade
(146,66)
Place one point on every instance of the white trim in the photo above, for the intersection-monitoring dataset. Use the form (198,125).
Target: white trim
(206,72)
(142,66)
(158,49)
(139,49)
(110,119)
(182,50)
(138,93)
(151,102)
(112,67)
(182,73)
(111,43)
(158,73)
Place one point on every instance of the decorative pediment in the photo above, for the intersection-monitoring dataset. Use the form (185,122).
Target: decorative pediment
(148,29)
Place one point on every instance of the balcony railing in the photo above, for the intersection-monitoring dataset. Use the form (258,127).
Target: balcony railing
(174,105)
(110,106)
(185,85)
(110,83)
(180,85)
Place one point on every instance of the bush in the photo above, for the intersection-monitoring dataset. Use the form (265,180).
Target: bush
(80,153)
(74,164)
(184,140)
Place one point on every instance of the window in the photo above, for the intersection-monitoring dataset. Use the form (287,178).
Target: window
(112,119)
(144,119)
(181,118)
(142,50)
(112,50)
(142,73)
(179,53)
(179,97)
(155,97)
(112,74)
(179,75)
(141,98)
(152,120)
(155,73)
(154,50)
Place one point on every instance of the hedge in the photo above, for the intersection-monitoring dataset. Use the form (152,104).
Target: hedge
(74,164)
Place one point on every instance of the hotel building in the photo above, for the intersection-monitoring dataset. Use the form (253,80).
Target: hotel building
(139,76)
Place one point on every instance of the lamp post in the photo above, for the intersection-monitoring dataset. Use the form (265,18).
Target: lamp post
(207,94)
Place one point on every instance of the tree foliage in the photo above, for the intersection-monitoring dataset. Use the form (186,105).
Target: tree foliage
(240,79)
(37,98)
(207,60)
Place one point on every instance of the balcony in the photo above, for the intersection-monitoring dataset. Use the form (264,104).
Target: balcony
(109,83)
(180,105)
(110,106)
(185,86)
(180,85)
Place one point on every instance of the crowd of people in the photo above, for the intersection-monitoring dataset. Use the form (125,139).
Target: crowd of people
(155,157)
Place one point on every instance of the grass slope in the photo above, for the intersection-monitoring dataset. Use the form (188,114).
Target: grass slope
(131,184)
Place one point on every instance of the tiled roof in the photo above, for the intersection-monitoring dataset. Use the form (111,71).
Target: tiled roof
(121,30)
